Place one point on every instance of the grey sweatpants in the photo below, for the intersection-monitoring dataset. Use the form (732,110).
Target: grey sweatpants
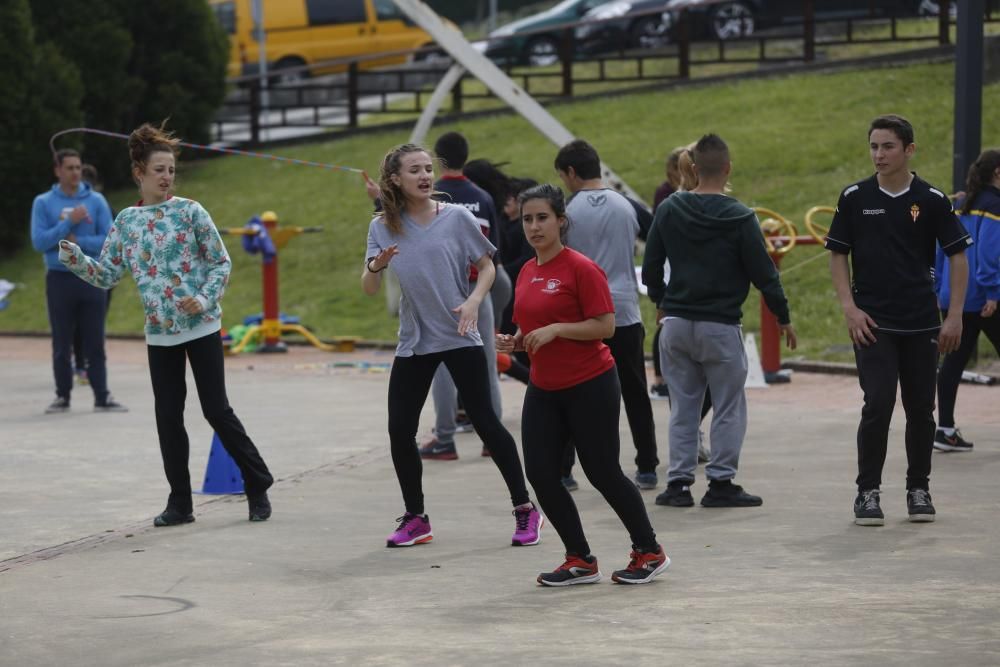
(696,354)
(443,388)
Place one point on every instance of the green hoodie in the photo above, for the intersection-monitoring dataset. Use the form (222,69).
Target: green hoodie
(715,249)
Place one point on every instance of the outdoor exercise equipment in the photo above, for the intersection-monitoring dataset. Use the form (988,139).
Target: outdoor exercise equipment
(817,230)
(780,237)
(263,235)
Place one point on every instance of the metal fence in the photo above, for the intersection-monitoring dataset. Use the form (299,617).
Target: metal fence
(253,115)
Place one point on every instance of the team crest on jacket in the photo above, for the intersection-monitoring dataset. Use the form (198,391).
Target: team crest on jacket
(914,212)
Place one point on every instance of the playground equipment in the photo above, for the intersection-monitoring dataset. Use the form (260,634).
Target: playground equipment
(780,237)
(268,238)
(817,230)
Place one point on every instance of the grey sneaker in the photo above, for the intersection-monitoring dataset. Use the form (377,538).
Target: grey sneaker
(570,483)
(918,504)
(61,404)
(646,480)
(867,511)
(109,404)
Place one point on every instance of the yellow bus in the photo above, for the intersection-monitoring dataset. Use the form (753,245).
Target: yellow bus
(305,32)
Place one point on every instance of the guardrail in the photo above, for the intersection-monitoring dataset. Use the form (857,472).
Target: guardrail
(340,100)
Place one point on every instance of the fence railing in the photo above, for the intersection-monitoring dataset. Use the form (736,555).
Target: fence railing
(253,114)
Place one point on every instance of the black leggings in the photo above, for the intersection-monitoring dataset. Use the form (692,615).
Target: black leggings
(167,369)
(954,363)
(586,415)
(409,382)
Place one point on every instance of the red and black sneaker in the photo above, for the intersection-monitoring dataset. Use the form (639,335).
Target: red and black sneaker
(642,568)
(576,570)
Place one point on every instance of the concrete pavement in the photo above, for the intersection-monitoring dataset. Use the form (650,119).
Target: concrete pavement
(86,580)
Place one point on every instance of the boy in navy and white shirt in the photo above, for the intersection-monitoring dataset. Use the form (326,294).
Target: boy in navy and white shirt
(890,226)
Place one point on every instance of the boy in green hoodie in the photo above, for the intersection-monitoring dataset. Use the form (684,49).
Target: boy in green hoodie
(716,250)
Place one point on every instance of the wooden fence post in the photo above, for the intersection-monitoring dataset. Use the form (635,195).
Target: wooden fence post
(683,46)
(809,29)
(566,57)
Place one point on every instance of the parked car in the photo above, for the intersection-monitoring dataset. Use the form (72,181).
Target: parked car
(527,41)
(731,19)
(305,32)
(623,24)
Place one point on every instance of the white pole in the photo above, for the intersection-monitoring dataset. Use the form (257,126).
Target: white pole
(491,25)
(257,12)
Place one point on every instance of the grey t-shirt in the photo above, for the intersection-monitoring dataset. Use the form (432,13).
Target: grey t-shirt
(603,226)
(433,271)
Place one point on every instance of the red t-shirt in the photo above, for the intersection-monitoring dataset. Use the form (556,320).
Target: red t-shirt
(568,288)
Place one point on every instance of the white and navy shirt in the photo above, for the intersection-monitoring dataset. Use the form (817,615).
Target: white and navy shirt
(892,240)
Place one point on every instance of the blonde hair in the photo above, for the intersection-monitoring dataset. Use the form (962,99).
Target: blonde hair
(685,166)
(146,140)
(393,199)
(673,167)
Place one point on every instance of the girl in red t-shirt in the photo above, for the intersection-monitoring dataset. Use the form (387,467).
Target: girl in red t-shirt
(563,310)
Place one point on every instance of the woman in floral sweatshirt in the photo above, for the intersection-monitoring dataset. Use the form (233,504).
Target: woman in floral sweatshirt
(173,251)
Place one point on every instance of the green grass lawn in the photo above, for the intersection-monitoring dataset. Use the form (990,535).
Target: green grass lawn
(796,142)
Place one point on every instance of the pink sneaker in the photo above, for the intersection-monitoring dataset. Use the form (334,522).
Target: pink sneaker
(413,529)
(528,527)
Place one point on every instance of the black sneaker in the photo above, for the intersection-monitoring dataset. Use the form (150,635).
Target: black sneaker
(726,494)
(259,507)
(61,404)
(867,511)
(575,570)
(462,423)
(918,504)
(569,483)
(678,494)
(109,404)
(951,443)
(172,517)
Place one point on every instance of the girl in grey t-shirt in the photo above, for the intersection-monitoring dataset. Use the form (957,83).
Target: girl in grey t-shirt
(429,246)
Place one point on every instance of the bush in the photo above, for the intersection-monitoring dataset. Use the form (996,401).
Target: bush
(42,94)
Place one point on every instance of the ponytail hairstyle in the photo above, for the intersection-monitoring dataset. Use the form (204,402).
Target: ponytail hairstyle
(980,175)
(393,199)
(685,165)
(674,177)
(556,200)
(146,140)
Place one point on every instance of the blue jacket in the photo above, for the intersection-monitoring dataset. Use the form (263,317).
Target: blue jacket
(50,223)
(983,224)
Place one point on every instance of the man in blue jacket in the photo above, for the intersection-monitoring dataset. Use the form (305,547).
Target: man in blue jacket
(71,210)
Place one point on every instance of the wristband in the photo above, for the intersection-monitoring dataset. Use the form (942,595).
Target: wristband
(368,265)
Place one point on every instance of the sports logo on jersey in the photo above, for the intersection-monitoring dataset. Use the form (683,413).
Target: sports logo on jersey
(597,199)
(914,212)
(552,285)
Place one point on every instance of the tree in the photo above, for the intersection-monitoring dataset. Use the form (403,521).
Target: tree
(42,93)
(140,62)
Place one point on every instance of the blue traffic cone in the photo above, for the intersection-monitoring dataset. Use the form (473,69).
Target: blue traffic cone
(222,476)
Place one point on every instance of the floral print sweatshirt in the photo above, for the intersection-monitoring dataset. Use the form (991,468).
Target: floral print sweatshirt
(172,250)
